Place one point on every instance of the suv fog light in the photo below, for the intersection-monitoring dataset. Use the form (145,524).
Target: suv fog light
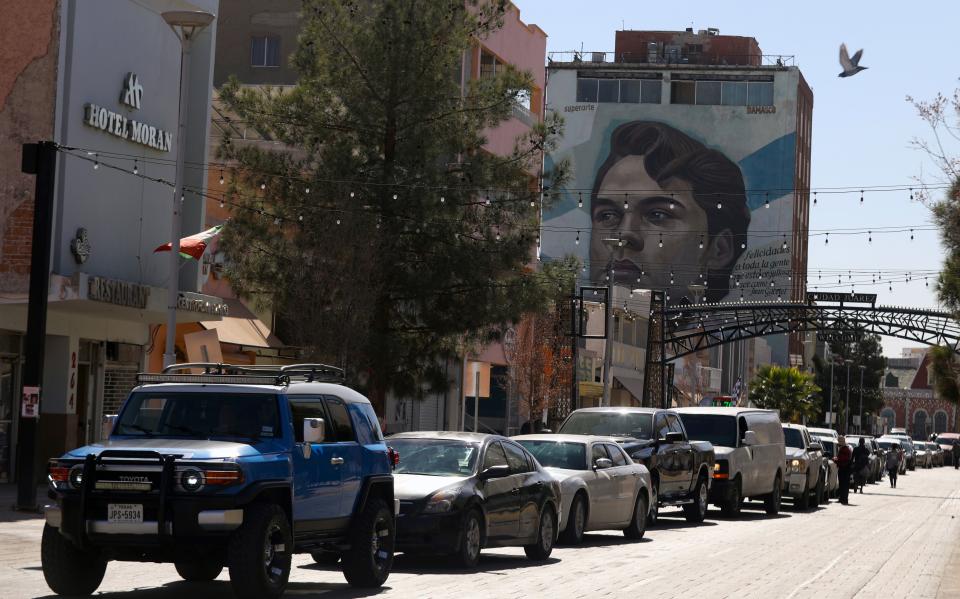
(191,480)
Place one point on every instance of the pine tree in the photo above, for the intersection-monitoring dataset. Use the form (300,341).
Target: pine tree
(381,230)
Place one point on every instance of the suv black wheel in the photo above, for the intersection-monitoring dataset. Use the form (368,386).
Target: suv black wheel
(200,570)
(697,511)
(368,561)
(577,521)
(802,501)
(326,558)
(654,505)
(818,495)
(771,503)
(638,525)
(260,553)
(731,507)
(67,569)
(546,535)
(471,540)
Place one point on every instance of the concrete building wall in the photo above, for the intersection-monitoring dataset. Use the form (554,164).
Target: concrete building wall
(239,20)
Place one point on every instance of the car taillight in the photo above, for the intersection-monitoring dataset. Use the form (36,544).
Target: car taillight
(394,456)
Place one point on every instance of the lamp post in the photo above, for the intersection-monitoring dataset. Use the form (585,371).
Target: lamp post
(846,401)
(860,425)
(186,24)
(833,420)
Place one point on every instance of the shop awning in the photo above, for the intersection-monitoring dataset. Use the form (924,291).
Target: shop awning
(242,327)
(633,385)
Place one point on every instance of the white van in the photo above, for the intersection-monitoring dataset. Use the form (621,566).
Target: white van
(749,449)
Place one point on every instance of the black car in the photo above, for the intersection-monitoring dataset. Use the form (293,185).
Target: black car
(460,492)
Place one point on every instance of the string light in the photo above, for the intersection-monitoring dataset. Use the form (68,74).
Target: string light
(911,194)
(625,205)
(307,191)
(784,246)
(766,202)
(263,185)
(300,218)
(351,195)
(814,198)
(700,245)
(619,239)
(486,200)
(135,169)
(442,199)
(577,240)
(96,161)
(580,200)
(719,205)
(911,234)
(221,177)
(660,243)
(671,201)
(395,197)
(870,238)
(498,232)
(826,240)
(861,197)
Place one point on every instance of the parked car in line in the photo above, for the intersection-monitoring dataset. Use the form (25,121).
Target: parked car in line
(876,463)
(805,469)
(946,442)
(906,443)
(924,459)
(601,488)
(897,431)
(748,454)
(681,470)
(460,492)
(824,432)
(936,454)
(832,484)
(888,444)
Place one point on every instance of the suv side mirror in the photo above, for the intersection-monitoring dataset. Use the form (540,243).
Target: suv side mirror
(674,437)
(313,430)
(106,426)
(602,464)
(749,438)
(494,472)
(815,447)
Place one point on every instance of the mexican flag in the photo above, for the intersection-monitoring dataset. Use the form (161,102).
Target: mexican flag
(193,246)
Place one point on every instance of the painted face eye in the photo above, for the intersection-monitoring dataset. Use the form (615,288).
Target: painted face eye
(658,215)
(608,218)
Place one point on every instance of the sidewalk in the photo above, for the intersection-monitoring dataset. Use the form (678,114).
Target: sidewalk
(8,499)
(950,585)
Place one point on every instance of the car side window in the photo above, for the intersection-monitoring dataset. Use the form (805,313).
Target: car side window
(599,451)
(743,426)
(307,407)
(340,428)
(494,456)
(673,423)
(660,425)
(516,458)
(616,454)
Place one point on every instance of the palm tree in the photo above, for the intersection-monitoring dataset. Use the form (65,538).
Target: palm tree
(787,390)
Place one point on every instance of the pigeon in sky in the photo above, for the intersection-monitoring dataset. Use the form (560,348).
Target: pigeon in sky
(851,66)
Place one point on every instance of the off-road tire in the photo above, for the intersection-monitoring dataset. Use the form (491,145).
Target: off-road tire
(576,522)
(546,535)
(471,540)
(200,570)
(326,558)
(772,502)
(696,512)
(730,508)
(67,569)
(251,574)
(373,536)
(638,525)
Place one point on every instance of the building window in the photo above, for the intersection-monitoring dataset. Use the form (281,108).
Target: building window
(889,416)
(683,92)
(587,90)
(940,422)
(650,92)
(708,93)
(609,90)
(760,93)
(727,93)
(265,51)
(920,424)
(734,93)
(488,65)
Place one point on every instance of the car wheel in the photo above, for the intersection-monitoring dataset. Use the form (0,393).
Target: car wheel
(697,511)
(546,534)
(368,561)
(638,525)
(468,555)
(819,492)
(200,570)
(654,513)
(802,501)
(260,553)
(731,507)
(771,503)
(326,558)
(67,569)
(576,522)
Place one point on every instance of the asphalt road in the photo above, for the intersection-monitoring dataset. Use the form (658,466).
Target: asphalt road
(902,542)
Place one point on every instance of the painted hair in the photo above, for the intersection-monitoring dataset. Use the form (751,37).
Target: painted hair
(670,154)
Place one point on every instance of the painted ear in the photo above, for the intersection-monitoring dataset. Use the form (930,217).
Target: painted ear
(721,252)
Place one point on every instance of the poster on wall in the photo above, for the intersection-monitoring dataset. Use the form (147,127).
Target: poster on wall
(30,405)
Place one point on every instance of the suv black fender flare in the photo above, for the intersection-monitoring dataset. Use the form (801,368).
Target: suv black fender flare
(377,485)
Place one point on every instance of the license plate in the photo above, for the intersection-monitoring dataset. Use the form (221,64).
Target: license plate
(124,512)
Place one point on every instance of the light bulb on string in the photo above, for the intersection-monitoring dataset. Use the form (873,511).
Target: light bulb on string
(671,202)
(911,194)
(577,240)
(306,190)
(135,169)
(300,218)
(580,200)
(96,161)
(784,246)
(911,234)
(625,205)
(619,239)
(814,198)
(263,185)
(719,205)
(870,238)
(700,245)
(826,240)
(660,243)
(766,201)
(498,232)
(221,176)
(642,272)
(861,197)
(442,199)
(395,197)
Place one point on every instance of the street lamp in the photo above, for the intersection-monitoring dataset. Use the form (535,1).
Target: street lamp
(846,402)
(860,425)
(186,24)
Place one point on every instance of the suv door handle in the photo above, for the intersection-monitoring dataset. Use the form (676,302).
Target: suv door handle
(336,461)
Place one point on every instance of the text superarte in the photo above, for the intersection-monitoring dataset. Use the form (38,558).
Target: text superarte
(121,126)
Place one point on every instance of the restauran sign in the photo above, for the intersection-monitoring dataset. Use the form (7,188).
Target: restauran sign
(120,293)
(123,127)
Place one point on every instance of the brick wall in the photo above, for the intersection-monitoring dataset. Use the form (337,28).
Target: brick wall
(118,380)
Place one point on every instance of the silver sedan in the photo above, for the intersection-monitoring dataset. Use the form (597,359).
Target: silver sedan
(601,488)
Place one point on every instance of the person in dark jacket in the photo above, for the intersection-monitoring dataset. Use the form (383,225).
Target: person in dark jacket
(843,460)
(893,464)
(956,453)
(861,464)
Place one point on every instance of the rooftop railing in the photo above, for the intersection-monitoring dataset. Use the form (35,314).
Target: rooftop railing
(670,58)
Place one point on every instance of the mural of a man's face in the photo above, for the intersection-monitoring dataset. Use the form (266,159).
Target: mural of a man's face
(663,211)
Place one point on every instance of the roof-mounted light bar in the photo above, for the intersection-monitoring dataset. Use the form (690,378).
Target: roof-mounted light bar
(146,378)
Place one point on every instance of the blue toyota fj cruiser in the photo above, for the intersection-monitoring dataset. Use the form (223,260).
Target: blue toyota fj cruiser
(239,467)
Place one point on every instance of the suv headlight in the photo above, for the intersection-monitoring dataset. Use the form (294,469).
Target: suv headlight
(76,476)
(797,466)
(191,480)
(441,501)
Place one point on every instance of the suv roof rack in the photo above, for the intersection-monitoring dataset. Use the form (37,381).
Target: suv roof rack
(279,374)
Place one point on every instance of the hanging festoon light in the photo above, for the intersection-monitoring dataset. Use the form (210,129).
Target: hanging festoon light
(136,170)
(861,197)
(580,200)
(643,273)
(263,185)
(911,234)
(498,232)
(660,243)
(814,198)
(96,161)
(577,240)
(619,239)
(700,245)
(784,246)
(221,176)
(442,199)
(671,202)
(826,239)
(766,202)
(306,190)
(911,194)
(625,205)
(870,237)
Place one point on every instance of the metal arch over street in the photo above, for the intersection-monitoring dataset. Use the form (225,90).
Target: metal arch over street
(689,329)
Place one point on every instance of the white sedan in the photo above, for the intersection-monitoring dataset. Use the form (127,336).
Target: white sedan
(601,488)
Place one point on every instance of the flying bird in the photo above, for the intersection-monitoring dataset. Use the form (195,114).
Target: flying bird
(851,66)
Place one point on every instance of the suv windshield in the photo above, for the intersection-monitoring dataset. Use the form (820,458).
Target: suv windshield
(435,457)
(609,424)
(249,416)
(718,430)
(557,454)
(792,437)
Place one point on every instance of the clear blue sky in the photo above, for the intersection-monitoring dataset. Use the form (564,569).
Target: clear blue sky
(862,126)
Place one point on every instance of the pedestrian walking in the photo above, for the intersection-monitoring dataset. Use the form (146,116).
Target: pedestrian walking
(843,460)
(892,464)
(861,466)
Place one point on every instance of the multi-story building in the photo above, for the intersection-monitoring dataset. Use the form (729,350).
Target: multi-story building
(910,399)
(101,80)
(690,164)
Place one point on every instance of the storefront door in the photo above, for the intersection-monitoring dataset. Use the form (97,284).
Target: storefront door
(8,392)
